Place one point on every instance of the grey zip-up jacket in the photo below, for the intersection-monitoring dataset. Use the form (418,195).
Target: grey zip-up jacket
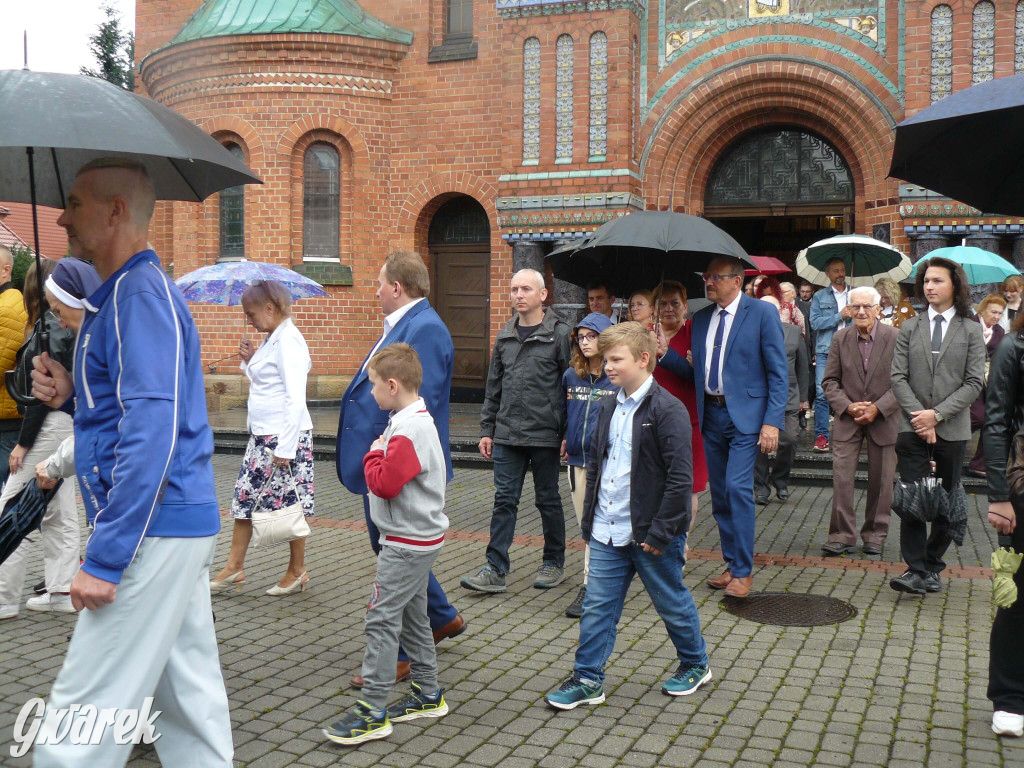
(523,401)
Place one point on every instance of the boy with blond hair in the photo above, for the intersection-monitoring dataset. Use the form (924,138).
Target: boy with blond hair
(635,516)
(406,476)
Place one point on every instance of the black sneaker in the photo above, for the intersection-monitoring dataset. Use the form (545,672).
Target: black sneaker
(909,582)
(575,609)
(417,704)
(40,588)
(359,725)
(933,582)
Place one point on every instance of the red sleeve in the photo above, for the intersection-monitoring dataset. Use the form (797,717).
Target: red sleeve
(386,474)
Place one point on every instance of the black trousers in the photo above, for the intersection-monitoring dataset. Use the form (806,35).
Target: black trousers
(1006,659)
(922,551)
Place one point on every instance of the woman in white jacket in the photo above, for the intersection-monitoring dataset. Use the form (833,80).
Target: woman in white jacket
(277,469)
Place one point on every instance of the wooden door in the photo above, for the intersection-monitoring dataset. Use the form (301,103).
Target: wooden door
(462,299)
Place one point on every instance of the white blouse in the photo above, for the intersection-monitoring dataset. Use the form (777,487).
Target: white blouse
(277,393)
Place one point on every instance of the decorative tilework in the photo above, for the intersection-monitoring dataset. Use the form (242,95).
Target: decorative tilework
(514,9)
(942,52)
(635,100)
(531,101)
(1018,40)
(983,42)
(598,96)
(563,98)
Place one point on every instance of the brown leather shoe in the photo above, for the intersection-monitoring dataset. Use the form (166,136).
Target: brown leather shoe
(739,587)
(453,628)
(720,582)
(401,672)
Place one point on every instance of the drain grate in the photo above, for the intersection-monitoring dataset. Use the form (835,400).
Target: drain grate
(787,609)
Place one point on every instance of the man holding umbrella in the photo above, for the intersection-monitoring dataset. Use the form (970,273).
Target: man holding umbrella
(147,630)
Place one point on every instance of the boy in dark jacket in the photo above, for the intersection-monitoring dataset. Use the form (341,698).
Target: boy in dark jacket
(635,517)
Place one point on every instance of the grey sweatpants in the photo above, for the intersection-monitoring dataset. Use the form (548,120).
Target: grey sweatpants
(398,612)
(156,639)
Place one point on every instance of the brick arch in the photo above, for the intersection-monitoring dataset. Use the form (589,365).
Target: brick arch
(249,138)
(680,157)
(338,126)
(426,197)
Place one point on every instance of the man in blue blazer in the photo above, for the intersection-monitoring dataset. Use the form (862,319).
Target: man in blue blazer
(403,286)
(742,380)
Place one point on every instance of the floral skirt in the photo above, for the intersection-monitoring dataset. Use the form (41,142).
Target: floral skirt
(259,481)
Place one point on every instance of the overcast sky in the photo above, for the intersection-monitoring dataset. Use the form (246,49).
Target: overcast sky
(58,32)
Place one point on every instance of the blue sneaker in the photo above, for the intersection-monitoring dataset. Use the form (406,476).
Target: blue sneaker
(574,692)
(686,680)
(359,725)
(417,704)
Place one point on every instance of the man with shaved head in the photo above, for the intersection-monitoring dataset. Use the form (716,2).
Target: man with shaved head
(523,421)
(144,641)
(12,334)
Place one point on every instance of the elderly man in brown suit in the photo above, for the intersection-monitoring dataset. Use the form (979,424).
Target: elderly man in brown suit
(857,386)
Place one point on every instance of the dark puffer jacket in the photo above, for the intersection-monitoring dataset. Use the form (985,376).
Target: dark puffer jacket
(1004,414)
(523,402)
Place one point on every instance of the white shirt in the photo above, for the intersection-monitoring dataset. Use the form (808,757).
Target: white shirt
(947,316)
(842,298)
(277,393)
(709,342)
(389,325)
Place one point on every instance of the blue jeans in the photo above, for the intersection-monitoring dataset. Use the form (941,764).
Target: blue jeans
(611,573)
(820,401)
(510,465)
(730,455)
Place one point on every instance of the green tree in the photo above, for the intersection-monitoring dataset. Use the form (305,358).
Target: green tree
(22,259)
(114,51)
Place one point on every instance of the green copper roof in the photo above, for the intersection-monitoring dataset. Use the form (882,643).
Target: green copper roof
(216,18)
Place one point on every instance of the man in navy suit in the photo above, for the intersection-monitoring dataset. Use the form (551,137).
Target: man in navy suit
(403,286)
(742,381)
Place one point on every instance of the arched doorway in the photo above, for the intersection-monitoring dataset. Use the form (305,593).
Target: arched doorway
(779,190)
(460,254)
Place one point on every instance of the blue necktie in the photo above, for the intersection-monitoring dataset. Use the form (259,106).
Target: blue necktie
(716,351)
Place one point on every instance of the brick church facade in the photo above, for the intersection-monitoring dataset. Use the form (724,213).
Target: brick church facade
(480,133)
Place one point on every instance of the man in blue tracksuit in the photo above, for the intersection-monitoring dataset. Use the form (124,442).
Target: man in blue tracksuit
(142,454)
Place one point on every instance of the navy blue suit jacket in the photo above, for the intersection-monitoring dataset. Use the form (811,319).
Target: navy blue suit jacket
(362,421)
(755,374)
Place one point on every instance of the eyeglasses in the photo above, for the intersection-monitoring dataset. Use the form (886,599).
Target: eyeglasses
(861,307)
(715,277)
(586,337)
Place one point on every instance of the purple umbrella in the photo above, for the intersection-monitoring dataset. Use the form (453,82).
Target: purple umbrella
(224,283)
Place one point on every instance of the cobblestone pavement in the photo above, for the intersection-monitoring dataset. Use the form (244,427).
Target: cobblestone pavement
(901,685)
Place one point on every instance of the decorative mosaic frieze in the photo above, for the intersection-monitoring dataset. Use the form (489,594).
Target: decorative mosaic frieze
(635,95)
(514,9)
(942,52)
(295,81)
(1018,40)
(938,209)
(598,95)
(531,101)
(983,42)
(559,218)
(563,98)
(559,202)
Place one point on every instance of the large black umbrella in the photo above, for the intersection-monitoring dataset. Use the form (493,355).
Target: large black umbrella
(23,514)
(950,147)
(53,124)
(642,249)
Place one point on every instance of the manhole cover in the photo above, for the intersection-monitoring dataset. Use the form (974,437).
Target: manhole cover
(790,610)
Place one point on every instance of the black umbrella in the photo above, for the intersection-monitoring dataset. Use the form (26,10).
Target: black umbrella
(642,249)
(23,514)
(948,147)
(53,124)
(926,499)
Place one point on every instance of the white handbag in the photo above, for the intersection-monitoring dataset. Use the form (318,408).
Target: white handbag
(278,525)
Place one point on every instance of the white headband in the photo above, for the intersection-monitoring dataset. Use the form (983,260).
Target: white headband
(63,296)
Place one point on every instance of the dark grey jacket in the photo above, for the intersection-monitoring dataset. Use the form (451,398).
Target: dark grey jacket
(523,400)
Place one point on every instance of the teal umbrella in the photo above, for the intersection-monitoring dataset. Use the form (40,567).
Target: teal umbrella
(980,265)
(867,260)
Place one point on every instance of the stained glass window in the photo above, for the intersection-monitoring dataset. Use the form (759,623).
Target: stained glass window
(598,95)
(531,101)
(563,98)
(942,52)
(321,201)
(232,215)
(983,41)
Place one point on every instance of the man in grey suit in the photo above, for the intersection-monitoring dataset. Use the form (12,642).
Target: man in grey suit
(938,369)
(858,387)
(766,473)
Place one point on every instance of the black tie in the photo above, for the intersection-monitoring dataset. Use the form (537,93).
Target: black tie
(937,334)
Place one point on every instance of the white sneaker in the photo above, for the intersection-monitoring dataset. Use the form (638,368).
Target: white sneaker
(51,602)
(1007,724)
(9,611)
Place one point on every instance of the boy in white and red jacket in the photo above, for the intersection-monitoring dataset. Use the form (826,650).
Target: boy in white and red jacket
(406,477)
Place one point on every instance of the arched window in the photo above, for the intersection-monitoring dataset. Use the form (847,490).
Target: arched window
(531,101)
(983,41)
(942,52)
(1018,40)
(321,202)
(598,96)
(563,99)
(232,215)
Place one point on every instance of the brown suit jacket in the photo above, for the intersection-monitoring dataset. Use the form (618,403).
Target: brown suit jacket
(846,382)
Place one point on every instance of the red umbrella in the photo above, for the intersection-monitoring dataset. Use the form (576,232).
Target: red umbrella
(767,265)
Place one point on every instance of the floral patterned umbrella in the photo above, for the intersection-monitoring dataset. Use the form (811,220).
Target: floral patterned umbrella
(224,283)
